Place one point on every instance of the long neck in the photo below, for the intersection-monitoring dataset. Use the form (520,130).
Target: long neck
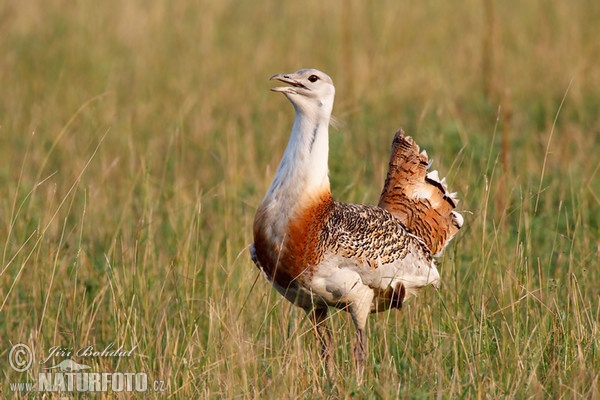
(303,171)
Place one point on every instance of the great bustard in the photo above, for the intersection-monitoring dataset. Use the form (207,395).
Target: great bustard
(318,252)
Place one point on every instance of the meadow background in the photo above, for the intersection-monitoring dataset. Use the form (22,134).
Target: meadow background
(138,137)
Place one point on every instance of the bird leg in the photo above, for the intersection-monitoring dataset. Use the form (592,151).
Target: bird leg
(359,310)
(360,354)
(318,316)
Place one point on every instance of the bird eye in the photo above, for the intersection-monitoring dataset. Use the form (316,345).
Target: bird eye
(313,78)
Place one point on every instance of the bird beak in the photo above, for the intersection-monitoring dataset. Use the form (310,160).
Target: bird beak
(287,78)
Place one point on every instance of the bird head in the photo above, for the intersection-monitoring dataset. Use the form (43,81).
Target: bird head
(310,90)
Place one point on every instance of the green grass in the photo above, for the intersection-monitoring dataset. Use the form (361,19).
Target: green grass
(138,138)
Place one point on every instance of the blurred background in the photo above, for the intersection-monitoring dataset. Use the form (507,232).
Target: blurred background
(137,139)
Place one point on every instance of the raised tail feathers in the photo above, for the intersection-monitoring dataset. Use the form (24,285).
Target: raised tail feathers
(418,198)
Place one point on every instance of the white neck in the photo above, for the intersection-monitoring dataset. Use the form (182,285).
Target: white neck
(303,171)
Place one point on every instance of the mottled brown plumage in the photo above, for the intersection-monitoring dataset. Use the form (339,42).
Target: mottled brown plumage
(367,236)
(419,200)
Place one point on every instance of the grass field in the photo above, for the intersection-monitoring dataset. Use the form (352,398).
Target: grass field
(137,139)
